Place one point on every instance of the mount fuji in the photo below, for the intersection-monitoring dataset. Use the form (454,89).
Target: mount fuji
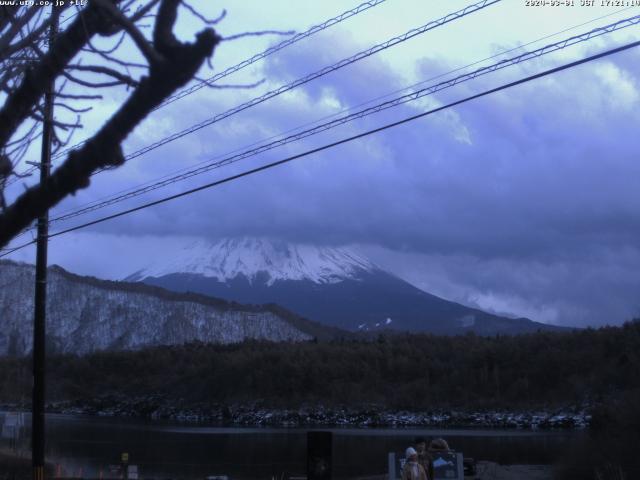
(334,286)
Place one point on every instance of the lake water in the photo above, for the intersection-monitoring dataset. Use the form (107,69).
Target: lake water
(89,445)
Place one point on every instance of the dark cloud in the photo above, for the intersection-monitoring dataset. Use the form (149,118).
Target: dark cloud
(596,288)
(545,161)
(538,182)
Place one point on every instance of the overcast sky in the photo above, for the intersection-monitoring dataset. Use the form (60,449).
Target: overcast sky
(525,202)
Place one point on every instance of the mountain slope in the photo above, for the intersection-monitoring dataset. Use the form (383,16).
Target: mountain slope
(87,314)
(266,261)
(328,285)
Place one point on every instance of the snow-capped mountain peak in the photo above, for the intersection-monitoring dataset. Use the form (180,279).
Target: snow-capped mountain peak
(334,286)
(228,258)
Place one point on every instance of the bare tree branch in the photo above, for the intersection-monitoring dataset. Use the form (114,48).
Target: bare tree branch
(198,15)
(136,35)
(163,39)
(16,28)
(63,125)
(26,41)
(73,109)
(64,143)
(86,83)
(178,63)
(78,97)
(18,105)
(106,56)
(257,34)
(123,79)
(112,49)
(19,152)
(22,138)
(6,16)
(142,12)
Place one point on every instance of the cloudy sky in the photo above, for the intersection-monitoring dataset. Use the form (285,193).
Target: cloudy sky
(525,202)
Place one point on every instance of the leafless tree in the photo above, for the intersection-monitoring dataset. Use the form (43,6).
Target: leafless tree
(85,58)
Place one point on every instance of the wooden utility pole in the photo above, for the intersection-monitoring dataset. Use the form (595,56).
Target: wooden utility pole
(39,321)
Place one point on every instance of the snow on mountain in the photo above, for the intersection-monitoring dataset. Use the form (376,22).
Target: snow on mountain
(248,257)
(333,286)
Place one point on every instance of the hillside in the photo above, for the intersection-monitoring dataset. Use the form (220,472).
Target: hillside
(86,314)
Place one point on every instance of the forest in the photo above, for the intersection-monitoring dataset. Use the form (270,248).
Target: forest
(403,371)
(597,369)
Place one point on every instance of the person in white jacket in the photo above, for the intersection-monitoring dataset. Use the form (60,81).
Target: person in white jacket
(412,470)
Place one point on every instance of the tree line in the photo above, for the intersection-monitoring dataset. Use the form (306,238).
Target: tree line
(394,371)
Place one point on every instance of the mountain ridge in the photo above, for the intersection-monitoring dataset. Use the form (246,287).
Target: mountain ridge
(358,296)
(87,314)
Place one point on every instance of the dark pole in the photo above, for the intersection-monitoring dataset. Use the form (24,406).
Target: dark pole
(39,322)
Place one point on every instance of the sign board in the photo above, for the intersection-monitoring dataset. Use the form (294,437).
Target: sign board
(9,431)
(132,472)
(124,458)
(11,425)
(446,465)
(13,420)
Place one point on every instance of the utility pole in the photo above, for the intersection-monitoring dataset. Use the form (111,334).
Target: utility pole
(39,321)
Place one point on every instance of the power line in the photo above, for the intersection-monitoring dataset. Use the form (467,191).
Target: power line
(345,140)
(9,251)
(301,81)
(308,78)
(241,149)
(320,73)
(409,97)
(172,178)
(249,61)
(296,38)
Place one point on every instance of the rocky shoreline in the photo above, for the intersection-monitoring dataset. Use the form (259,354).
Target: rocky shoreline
(159,408)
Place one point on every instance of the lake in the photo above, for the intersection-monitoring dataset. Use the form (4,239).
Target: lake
(83,445)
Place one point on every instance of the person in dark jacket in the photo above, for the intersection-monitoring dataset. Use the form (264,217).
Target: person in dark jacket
(436,445)
(424,458)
